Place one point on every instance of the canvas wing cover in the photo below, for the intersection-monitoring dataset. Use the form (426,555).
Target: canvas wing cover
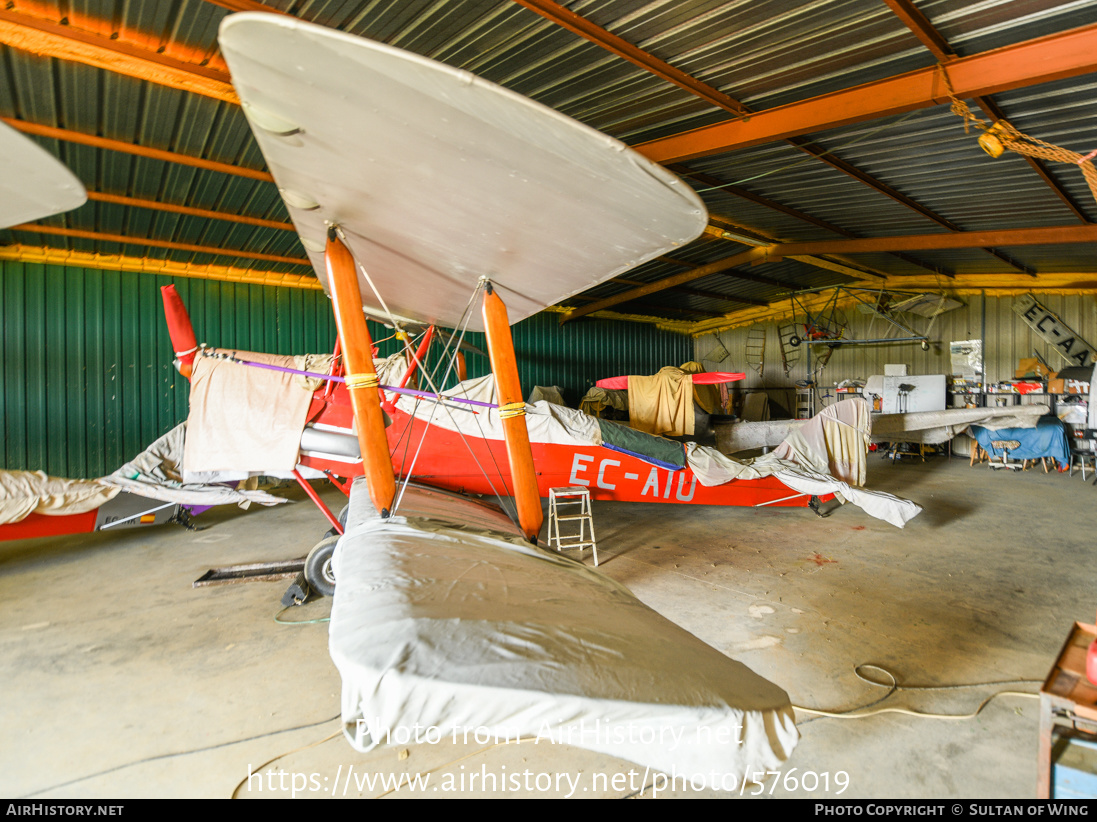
(457,627)
(438,177)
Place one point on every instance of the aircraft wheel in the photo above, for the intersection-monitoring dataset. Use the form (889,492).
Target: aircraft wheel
(794,341)
(318,571)
(342,517)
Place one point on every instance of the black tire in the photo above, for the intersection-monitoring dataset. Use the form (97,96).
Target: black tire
(318,573)
(331,532)
(794,341)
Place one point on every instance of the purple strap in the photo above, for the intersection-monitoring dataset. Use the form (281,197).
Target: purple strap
(410,391)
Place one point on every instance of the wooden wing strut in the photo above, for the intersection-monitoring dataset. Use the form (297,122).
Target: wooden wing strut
(362,382)
(512,410)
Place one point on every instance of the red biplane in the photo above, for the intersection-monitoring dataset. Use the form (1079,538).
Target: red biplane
(410,179)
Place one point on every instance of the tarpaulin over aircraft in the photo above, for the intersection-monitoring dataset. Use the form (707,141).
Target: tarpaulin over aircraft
(33,492)
(462,631)
(825,456)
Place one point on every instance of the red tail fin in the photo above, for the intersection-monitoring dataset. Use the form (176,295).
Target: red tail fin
(180,329)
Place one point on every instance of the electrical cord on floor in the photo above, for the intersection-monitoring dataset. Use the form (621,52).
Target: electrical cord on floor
(300,621)
(178,754)
(259,770)
(895,687)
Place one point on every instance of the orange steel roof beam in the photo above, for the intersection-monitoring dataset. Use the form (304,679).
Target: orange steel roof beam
(622,48)
(922,28)
(938,46)
(130,148)
(127,240)
(64,42)
(898,197)
(684,171)
(137,202)
(1030,63)
(1054,235)
(668,282)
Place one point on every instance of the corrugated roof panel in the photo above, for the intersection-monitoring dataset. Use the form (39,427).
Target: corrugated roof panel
(764,52)
(930,159)
(973,26)
(815,188)
(1075,257)
(469,35)
(183,28)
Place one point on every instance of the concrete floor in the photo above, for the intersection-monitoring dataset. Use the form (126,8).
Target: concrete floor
(124,681)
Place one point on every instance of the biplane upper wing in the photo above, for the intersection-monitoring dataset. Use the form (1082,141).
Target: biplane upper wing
(438,177)
(33,183)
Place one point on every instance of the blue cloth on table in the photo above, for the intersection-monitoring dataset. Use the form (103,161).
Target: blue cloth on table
(1047,439)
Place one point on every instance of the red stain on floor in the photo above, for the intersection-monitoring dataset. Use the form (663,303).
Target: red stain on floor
(858,528)
(819,559)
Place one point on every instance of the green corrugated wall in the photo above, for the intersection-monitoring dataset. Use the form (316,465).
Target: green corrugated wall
(86,380)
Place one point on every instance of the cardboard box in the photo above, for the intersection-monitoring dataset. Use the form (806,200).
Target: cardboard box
(1061,386)
(1031,365)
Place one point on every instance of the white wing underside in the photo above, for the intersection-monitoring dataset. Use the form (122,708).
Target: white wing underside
(33,183)
(437,177)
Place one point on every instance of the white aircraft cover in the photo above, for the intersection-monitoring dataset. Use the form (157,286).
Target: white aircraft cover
(803,462)
(936,427)
(33,183)
(33,492)
(454,629)
(157,472)
(438,177)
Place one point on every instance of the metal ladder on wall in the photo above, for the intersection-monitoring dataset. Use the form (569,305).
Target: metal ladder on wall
(756,350)
(790,354)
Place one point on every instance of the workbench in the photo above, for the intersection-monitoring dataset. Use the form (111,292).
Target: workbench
(1068,700)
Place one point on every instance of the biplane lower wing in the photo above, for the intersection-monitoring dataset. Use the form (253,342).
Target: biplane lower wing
(469,631)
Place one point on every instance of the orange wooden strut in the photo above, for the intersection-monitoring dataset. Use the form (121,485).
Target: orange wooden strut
(361,376)
(420,355)
(512,410)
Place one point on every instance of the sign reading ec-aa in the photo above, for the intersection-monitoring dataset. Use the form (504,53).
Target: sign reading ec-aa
(1074,349)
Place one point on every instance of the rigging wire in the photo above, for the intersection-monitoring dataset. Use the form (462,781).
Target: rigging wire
(466,315)
(450,363)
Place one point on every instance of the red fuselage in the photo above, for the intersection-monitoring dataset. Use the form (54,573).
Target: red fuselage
(443,458)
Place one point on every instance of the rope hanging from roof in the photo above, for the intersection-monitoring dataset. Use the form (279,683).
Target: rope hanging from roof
(999,136)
